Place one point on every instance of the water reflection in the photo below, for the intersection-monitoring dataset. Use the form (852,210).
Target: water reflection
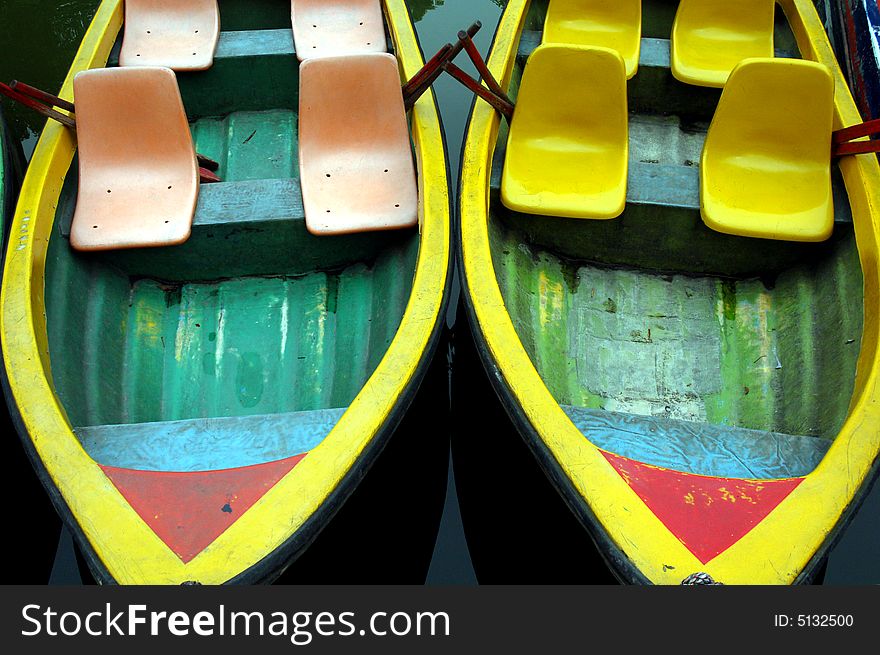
(39,40)
(418,8)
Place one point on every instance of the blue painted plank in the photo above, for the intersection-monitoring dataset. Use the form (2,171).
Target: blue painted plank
(207,444)
(700,448)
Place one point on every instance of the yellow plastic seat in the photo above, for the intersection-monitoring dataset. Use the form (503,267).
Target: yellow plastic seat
(138,176)
(567,150)
(710,37)
(766,163)
(180,35)
(615,24)
(356,164)
(332,28)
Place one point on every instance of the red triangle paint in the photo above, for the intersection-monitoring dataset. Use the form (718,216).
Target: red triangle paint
(708,515)
(189,510)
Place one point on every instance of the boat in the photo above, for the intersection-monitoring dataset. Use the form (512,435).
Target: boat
(201,396)
(699,386)
(854,29)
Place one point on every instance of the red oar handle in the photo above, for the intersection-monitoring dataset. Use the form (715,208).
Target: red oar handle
(856,131)
(502,105)
(420,82)
(206,176)
(465,39)
(855,148)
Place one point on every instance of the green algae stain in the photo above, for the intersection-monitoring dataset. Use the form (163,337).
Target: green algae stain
(728,299)
(571,275)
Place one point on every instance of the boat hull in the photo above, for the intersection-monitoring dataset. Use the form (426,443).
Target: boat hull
(204,412)
(527,288)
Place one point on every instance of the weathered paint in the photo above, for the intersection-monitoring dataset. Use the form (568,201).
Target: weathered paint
(780,547)
(708,515)
(700,448)
(252,345)
(745,352)
(189,510)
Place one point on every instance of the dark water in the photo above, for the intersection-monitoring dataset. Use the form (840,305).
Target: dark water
(37,41)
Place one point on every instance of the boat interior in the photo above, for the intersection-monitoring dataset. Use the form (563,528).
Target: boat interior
(667,341)
(253,322)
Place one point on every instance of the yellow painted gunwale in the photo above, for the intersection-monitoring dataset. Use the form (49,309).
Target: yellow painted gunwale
(778,549)
(126,546)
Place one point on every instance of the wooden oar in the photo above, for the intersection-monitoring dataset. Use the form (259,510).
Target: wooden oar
(840,139)
(494,95)
(207,163)
(422,80)
(427,70)
(42,96)
(38,107)
(42,102)
(471,49)
(501,104)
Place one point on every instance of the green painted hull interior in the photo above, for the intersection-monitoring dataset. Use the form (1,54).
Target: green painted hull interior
(252,315)
(654,314)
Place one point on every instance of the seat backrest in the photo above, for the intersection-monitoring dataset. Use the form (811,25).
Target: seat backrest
(138,181)
(781,108)
(356,164)
(331,28)
(575,92)
(180,35)
(710,37)
(766,164)
(567,150)
(615,24)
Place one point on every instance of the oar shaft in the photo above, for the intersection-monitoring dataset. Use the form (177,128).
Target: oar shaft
(502,105)
(856,131)
(471,49)
(42,96)
(427,70)
(38,107)
(855,148)
(414,89)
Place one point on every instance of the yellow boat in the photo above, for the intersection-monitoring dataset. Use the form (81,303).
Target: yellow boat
(695,375)
(199,412)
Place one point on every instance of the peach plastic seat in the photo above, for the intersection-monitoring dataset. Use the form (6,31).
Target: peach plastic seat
(615,24)
(331,28)
(356,164)
(766,164)
(710,37)
(567,150)
(180,35)
(138,177)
